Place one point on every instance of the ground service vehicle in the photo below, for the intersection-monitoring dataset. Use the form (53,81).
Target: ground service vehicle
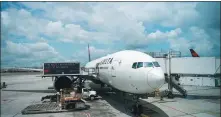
(88,94)
(70,99)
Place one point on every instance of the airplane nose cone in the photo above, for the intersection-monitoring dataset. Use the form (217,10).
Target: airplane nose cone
(155,78)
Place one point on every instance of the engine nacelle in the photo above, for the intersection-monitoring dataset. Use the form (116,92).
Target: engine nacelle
(62,82)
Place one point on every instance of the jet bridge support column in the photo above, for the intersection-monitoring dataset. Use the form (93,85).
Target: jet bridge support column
(170,87)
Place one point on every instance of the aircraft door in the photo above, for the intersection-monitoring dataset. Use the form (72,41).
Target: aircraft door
(97,68)
(113,68)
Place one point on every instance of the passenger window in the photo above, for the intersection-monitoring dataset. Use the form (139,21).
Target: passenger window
(156,64)
(148,64)
(140,64)
(134,65)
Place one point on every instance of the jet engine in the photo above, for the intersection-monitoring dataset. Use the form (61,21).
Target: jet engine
(62,82)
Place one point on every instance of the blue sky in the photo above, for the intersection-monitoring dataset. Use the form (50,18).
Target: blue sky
(37,32)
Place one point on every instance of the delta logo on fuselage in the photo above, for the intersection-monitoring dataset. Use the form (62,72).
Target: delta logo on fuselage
(106,61)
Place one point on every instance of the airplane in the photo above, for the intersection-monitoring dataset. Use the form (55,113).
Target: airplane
(130,72)
(139,72)
(193,53)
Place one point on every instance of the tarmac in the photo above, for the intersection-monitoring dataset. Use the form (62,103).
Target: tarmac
(24,89)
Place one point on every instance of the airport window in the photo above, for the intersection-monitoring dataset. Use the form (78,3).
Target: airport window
(156,64)
(148,64)
(134,65)
(140,64)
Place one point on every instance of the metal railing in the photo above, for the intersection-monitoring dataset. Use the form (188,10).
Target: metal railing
(90,71)
(162,54)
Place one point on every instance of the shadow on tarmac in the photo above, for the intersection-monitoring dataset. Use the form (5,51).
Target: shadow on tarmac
(118,103)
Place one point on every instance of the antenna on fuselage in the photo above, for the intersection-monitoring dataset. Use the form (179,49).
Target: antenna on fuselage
(89,55)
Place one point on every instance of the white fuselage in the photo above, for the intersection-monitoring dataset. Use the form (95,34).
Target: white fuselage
(129,71)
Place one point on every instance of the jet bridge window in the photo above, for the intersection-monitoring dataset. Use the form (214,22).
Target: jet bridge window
(156,64)
(134,65)
(140,64)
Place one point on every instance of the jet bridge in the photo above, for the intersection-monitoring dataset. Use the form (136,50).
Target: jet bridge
(171,79)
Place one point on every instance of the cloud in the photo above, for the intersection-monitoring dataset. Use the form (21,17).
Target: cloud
(73,33)
(94,53)
(200,41)
(36,50)
(166,13)
(22,23)
(54,27)
(30,53)
(44,26)
(210,15)
(106,27)
(110,21)
(155,37)
(67,12)
(165,35)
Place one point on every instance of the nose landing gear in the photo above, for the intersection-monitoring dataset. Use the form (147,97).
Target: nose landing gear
(137,109)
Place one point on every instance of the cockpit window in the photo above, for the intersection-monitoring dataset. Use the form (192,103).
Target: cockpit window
(134,65)
(148,64)
(156,64)
(145,64)
(140,64)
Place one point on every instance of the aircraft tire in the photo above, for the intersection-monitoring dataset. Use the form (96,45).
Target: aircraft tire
(92,97)
(170,95)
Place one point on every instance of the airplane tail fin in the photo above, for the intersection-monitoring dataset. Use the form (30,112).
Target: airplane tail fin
(89,55)
(194,54)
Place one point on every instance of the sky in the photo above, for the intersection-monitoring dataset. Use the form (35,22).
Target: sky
(36,32)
